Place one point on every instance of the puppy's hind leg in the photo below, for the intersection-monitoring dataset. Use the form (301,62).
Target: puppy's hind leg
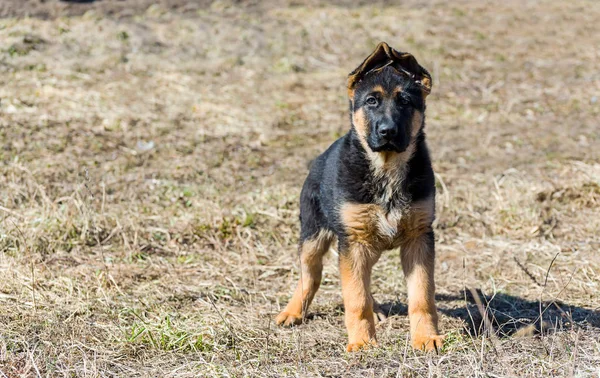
(312,251)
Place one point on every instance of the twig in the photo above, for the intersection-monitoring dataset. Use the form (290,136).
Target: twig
(541,318)
(550,267)
(466,303)
(553,302)
(34,365)
(488,328)
(528,273)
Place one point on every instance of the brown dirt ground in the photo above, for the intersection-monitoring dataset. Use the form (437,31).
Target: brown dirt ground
(152,156)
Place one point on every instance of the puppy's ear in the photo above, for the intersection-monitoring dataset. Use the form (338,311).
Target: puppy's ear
(384,56)
(378,58)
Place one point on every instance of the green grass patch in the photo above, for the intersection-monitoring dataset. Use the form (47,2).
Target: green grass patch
(167,336)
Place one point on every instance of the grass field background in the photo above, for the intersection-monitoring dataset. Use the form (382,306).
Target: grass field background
(151,160)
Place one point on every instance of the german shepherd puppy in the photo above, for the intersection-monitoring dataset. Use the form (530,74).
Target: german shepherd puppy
(373,190)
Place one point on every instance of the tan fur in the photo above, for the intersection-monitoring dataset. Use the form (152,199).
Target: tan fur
(355,272)
(418,265)
(417,124)
(425,83)
(371,230)
(359,121)
(351,94)
(417,221)
(371,225)
(360,221)
(378,88)
(311,265)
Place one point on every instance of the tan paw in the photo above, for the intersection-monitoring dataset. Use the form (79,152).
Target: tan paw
(285,319)
(355,347)
(428,342)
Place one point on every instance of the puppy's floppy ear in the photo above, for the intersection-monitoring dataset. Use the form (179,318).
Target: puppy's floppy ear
(383,56)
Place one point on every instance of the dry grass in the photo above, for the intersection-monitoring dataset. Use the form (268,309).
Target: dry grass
(151,166)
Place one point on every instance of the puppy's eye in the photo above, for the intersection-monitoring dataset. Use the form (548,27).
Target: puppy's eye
(371,101)
(404,100)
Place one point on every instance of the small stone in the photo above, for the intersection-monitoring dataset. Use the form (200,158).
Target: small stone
(145,146)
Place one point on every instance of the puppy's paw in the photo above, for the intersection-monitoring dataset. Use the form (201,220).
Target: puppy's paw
(285,319)
(428,342)
(361,345)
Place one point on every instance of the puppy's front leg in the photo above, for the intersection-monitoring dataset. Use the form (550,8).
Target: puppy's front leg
(356,264)
(418,257)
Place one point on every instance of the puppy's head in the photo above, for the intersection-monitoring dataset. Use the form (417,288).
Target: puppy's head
(387,99)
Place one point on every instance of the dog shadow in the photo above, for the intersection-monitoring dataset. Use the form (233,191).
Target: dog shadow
(507,315)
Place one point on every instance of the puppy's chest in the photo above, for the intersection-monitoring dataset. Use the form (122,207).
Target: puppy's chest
(373,224)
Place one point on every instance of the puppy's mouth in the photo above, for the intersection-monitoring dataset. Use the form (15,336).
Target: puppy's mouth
(387,146)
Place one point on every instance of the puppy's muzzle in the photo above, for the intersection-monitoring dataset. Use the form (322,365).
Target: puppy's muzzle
(386,132)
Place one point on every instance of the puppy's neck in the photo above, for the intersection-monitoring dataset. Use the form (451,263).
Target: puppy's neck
(385,163)
(389,171)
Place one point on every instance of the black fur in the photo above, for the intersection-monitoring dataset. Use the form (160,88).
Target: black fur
(343,173)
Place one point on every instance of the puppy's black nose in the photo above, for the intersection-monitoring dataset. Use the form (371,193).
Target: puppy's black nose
(387,131)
